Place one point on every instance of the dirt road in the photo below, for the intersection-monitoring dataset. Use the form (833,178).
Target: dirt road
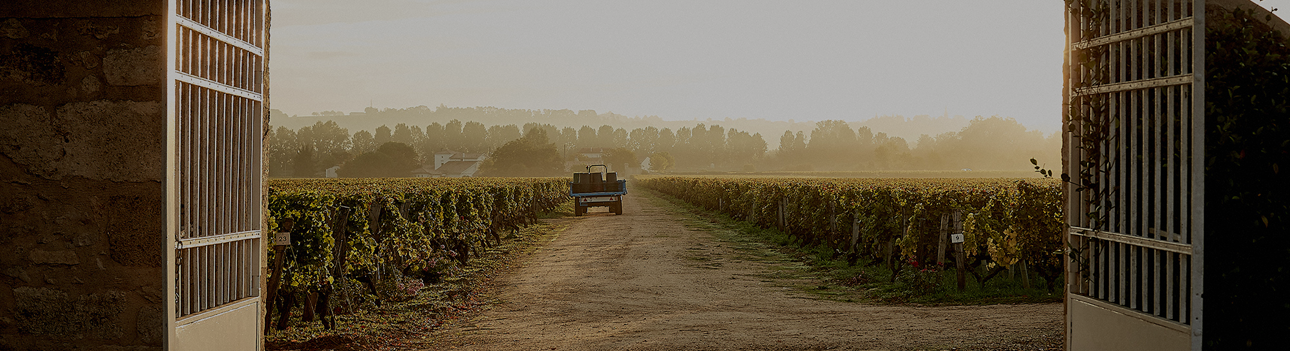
(634,282)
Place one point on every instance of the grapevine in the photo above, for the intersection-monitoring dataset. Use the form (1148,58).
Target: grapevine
(1006,221)
(396,229)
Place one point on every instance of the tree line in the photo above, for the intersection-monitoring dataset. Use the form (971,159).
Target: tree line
(993,143)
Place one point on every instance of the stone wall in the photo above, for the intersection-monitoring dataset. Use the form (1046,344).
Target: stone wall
(82,146)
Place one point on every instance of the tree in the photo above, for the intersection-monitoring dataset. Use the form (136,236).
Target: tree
(499,135)
(436,138)
(532,155)
(363,143)
(331,143)
(744,148)
(587,137)
(683,146)
(383,135)
(661,161)
(891,153)
(303,165)
(605,136)
(452,134)
(791,147)
(832,143)
(618,138)
(567,140)
(421,144)
(620,157)
(642,140)
(474,137)
(402,134)
(328,138)
(390,160)
(282,149)
(666,139)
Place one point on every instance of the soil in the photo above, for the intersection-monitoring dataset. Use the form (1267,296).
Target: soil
(645,280)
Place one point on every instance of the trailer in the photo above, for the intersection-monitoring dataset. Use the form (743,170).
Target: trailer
(597,189)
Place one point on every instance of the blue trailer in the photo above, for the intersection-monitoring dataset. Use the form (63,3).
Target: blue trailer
(597,189)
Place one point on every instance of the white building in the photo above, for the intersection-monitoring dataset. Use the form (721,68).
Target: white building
(452,164)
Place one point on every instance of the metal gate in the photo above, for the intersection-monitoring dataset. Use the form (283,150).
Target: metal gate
(1135,137)
(216,64)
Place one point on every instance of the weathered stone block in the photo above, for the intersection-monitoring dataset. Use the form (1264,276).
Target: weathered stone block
(132,67)
(13,29)
(81,8)
(112,140)
(31,64)
(17,272)
(90,85)
(29,138)
(16,203)
(152,294)
(150,324)
(45,311)
(84,238)
(97,29)
(135,231)
(67,257)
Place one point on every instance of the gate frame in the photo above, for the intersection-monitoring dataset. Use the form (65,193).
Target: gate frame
(234,314)
(1076,201)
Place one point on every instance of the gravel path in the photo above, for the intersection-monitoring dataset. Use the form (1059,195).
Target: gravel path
(632,282)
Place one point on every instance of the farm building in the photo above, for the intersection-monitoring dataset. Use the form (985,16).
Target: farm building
(451,164)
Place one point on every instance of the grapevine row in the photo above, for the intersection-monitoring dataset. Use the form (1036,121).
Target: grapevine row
(365,233)
(897,221)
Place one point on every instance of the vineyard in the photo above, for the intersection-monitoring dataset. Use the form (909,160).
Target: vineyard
(898,222)
(357,242)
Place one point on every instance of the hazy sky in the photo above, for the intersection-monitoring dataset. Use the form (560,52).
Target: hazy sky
(679,60)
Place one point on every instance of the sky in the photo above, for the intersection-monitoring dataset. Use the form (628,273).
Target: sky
(678,60)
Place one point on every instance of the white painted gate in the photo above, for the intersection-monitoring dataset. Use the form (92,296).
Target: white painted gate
(215,69)
(1135,138)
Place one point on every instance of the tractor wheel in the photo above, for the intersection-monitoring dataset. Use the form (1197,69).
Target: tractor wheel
(617,207)
(578,210)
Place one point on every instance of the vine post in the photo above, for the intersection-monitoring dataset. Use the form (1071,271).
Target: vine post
(280,243)
(940,244)
(959,264)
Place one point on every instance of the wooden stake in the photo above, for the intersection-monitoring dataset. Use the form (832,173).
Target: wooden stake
(940,246)
(959,252)
(855,236)
(342,242)
(374,218)
(891,246)
(1025,275)
(833,219)
(311,302)
(780,215)
(341,254)
(958,265)
(278,249)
